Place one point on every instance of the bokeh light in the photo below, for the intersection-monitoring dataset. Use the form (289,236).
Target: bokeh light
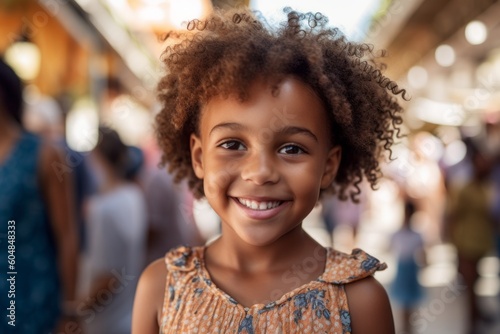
(445,55)
(476,32)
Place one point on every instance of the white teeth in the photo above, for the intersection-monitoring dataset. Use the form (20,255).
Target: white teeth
(254,205)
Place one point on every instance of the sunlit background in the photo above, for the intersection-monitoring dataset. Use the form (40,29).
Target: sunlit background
(99,59)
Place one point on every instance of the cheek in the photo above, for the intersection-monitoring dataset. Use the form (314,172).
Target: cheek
(217,180)
(308,185)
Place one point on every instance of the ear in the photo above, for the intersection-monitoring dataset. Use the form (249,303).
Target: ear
(196,155)
(331,166)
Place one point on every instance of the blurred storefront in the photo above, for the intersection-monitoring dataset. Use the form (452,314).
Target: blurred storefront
(81,56)
(444,52)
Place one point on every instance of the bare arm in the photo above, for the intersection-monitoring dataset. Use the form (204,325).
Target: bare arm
(369,307)
(57,186)
(149,296)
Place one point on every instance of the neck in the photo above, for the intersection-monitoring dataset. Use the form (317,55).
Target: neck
(8,128)
(9,134)
(244,257)
(111,181)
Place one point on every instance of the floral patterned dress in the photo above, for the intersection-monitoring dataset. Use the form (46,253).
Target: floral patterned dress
(193,304)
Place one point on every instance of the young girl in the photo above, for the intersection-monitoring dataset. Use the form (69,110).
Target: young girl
(261,121)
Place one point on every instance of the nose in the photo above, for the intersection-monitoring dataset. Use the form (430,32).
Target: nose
(260,168)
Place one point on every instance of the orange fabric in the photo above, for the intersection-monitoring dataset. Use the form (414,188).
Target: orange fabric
(193,304)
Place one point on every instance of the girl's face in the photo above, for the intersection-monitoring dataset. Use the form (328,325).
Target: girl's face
(264,161)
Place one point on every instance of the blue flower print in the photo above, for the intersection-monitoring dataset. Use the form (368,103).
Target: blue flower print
(182,260)
(268,307)
(345,318)
(232,300)
(297,315)
(246,325)
(171,297)
(313,298)
(171,292)
(369,263)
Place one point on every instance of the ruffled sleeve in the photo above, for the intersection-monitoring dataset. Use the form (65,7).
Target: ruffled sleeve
(345,268)
(183,258)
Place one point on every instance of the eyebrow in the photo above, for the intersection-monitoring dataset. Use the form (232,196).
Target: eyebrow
(287,130)
(229,126)
(292,130)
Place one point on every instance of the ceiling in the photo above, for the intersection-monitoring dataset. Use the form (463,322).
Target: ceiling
(434,22)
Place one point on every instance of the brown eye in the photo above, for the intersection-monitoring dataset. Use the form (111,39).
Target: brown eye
(291,149)
(232,145)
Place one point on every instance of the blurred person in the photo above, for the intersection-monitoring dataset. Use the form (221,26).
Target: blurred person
(339,214)
(37,225)
(134,165)
(496,202)
(470,225)
(116,225)
(44,116)
(170,215)
(171,219)
(425,183)
(408,245)
(493,146)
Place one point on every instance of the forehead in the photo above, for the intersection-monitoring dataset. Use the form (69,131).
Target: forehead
(290,94)
(286,102)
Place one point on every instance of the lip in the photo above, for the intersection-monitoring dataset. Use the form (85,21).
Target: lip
(261,214)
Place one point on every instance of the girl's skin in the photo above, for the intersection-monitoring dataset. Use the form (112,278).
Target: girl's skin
(273,150)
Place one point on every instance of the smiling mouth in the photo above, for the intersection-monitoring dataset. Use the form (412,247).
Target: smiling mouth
(260,206)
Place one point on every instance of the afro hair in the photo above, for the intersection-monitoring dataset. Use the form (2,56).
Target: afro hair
(223,55)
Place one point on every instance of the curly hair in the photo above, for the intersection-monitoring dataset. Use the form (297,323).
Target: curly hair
(223,55)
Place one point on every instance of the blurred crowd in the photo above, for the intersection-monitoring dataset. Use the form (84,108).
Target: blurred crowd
(427,198)
(87,223)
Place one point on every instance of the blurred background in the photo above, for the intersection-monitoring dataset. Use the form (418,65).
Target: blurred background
(86,63)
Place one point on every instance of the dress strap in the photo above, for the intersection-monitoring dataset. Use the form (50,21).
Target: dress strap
(344,268)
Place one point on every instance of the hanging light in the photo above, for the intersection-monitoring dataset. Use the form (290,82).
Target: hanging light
(24,57)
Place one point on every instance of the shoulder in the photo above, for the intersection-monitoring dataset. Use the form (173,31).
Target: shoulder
(153,277)
(369,307)
(51,159)
(149,297)
(130,194)
(345,268)
(132,189)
